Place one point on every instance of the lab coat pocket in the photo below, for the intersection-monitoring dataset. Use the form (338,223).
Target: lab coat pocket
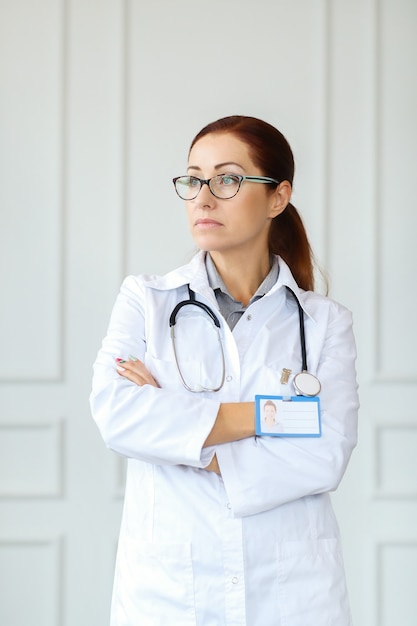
(154,584)
(311,584)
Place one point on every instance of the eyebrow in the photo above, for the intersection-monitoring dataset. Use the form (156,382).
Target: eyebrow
(220,166)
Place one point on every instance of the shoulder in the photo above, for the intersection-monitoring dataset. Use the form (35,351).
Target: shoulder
(317,303)
(330,319)
(317,306)
(171,280)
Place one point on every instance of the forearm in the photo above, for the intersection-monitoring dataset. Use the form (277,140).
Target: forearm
(235,420)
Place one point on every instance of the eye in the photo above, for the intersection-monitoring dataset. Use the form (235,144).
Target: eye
(228,180)
(189,181)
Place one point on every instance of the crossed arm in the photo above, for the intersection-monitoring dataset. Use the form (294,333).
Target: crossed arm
(234,421)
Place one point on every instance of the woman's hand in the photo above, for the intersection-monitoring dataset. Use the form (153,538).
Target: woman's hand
(135,371)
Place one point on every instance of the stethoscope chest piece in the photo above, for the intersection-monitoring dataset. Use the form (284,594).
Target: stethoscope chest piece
(306,384)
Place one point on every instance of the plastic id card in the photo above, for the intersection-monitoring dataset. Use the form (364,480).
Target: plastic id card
(295,416)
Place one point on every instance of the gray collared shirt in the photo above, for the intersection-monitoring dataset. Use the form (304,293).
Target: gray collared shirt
(231,309)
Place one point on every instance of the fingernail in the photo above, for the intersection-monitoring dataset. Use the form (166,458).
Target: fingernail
(120,369)
(132,358)
(120,360)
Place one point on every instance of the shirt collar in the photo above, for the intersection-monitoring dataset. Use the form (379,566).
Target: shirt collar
(216,282)
(195,274)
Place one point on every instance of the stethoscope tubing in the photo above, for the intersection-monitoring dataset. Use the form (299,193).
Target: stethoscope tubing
(302,332)
(192,300)
(313,383)
(172,319)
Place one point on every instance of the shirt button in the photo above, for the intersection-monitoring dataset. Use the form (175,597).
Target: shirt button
(229,506)
(235,580)
(249,317)
(229,378)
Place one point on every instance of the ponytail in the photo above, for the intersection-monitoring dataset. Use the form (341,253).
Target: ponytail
(288,239)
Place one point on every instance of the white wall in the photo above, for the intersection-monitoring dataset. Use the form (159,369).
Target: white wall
(99,100)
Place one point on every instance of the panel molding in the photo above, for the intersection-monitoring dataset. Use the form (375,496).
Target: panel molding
(26,363)
(126,125)
(383,590)
(393,372)
(43,446)
(49,553)
(382,489)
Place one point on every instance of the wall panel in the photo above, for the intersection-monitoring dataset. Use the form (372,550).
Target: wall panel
(31,190)
(396,446)
(43,447)
(397,603)
(31,582)
(396,176)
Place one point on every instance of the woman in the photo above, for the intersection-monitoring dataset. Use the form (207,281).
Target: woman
(271,422)
(221,526)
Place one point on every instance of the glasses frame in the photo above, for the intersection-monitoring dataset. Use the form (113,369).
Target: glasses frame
(207,181)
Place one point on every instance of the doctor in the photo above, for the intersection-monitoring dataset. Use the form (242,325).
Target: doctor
(220,526)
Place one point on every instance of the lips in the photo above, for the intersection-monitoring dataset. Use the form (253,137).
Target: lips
(207,223)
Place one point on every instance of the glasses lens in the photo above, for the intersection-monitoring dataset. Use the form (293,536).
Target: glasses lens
(225,185)
(187,187)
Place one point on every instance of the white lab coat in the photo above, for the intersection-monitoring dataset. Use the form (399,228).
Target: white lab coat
(258,546)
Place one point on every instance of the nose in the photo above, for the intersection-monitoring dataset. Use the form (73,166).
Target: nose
(205,198)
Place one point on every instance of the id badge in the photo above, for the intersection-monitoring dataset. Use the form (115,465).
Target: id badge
(280,416)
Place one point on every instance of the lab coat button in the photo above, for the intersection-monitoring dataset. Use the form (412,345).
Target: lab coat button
(229,378)
(235,580)
(229,506)
(249,317)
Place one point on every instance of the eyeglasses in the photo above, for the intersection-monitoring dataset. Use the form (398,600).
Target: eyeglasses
(223,186)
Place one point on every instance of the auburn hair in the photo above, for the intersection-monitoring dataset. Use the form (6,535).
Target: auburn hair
(272,154)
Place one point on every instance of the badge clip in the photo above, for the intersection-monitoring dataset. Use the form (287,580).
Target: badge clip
(285,376)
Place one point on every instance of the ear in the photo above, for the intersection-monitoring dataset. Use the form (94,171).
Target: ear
(281,198)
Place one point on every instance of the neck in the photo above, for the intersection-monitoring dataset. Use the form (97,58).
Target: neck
(242,275)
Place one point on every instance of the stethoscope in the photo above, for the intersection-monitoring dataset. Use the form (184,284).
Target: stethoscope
(305,383)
